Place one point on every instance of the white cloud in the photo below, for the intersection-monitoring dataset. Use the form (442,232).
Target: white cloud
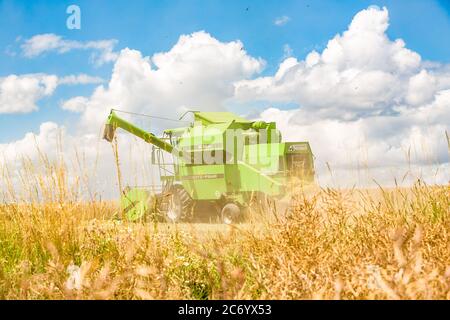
(360,73)
(18,94)
(76,104)
(421,88)
(80,79)
(364,101)
(197,72)
(281,21)
(103,50)
(46,140)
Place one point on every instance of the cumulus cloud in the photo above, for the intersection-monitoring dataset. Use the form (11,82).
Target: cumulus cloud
(365,101)
(281,21)
(19,93)
(46,140)
(76,104)
(102,50)
(198,72)
(361,72)
(80,79)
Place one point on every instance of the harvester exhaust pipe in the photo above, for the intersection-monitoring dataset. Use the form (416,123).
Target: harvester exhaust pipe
(108,132)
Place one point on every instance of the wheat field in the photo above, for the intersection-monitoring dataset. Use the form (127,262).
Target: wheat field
(336,244)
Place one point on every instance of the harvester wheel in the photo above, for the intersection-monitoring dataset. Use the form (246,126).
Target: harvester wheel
(180,205)
(231,213)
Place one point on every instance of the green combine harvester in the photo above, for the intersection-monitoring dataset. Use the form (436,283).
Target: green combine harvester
(221,160)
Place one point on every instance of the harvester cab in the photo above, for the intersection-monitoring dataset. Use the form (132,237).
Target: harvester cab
(222,160)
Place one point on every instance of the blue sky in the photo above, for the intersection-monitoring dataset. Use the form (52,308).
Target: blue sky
(154,26)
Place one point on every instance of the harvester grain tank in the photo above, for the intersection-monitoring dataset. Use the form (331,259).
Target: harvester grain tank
(220,159)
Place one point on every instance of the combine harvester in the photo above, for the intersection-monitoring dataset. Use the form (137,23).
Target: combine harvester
(221,160)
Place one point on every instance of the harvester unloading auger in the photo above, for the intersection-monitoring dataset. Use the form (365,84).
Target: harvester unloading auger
(222,160)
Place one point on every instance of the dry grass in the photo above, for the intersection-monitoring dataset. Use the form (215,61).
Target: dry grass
(336,244)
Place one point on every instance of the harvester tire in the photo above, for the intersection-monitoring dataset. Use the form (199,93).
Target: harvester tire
(231,213)
(180,206)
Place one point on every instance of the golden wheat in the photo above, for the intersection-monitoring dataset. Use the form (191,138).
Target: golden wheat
(335,244)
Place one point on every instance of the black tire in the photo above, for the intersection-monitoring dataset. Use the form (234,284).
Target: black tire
(180,206)
(231,213)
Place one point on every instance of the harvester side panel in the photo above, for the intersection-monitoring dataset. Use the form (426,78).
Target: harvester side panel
(251,179)
(203,182)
